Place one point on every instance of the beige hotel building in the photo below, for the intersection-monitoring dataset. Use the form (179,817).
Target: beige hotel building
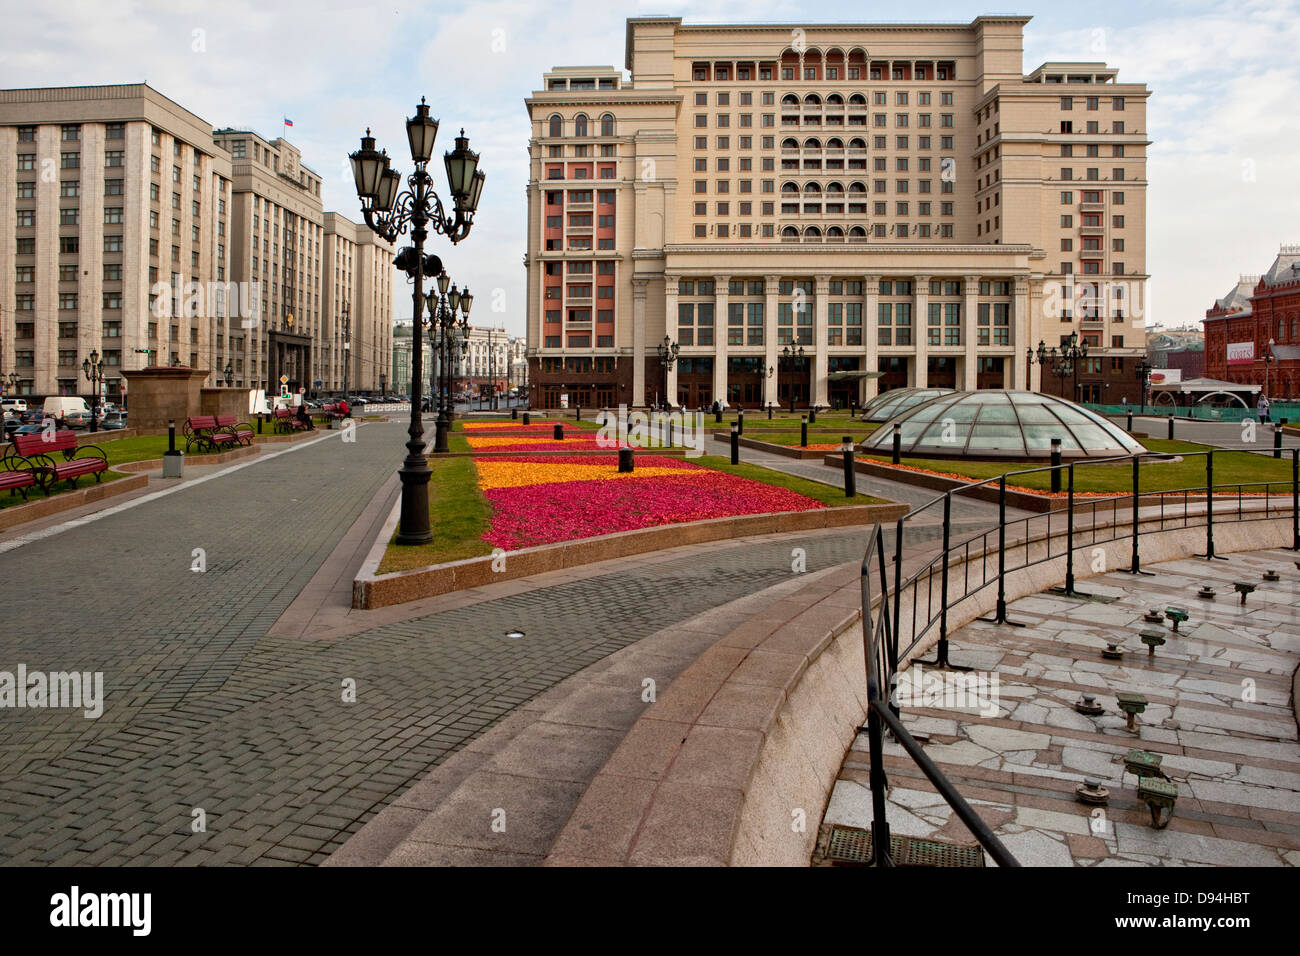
(900,202)
(110,193)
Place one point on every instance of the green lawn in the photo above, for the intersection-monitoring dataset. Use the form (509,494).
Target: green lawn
(458,514)
(1230,468)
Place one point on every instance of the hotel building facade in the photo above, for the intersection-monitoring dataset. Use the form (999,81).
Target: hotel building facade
(825,211)
(128,226)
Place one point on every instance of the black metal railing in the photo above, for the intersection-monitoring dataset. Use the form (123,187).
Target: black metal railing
(926,584)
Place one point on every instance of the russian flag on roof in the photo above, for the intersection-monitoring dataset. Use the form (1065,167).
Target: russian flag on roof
(287,121)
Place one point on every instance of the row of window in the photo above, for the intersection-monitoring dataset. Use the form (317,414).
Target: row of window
(838,287)
(810,66)
(555,125)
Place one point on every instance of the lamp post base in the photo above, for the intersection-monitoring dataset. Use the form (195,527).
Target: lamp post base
(441,428)
(413,525)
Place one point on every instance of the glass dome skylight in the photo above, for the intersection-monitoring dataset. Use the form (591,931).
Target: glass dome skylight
(998,423)
(898,400)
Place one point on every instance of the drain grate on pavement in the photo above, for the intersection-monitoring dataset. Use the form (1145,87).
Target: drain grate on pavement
(851,846)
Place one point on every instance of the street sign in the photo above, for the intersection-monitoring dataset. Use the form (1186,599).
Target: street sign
(284,379)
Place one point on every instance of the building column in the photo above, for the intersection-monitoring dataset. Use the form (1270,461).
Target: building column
(821,354)
(1034,320)
(670,329)
(721,294)
(970,333)
(870,336)
(920,328)
(1021,338)
(770,286)
(638,339)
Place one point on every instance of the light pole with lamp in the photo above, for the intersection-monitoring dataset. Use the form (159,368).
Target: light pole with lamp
(228,374)
(790,355)
(347,345)
(667,350)
(93,369)
(1143,371)
(444,301)
(1269,359)
(388,215)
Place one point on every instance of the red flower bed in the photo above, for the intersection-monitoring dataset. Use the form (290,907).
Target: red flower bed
(536,514)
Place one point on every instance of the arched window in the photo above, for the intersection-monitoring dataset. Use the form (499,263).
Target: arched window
(812,188)
(812,99)
(834,188)
(857,232)
(580,125)
(789,187)
(789,143)
(812,233)
(557,126)
(607,125)
(813,143)
(857,188)
(835,232)
(789,234)
(835,143)
(789,100)
(857,99)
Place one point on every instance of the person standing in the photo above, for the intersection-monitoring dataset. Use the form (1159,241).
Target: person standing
(1263,407)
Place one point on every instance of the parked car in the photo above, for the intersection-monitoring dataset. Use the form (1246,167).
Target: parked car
(75,419)
(16,405)
(113,421)
(30,429)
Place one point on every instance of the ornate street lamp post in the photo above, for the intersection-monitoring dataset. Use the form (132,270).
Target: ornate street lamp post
(93,369)
(389,214)
(1063,364)
(1269,359)
(667,350)
(444,302)
(791,355)
(1143,371)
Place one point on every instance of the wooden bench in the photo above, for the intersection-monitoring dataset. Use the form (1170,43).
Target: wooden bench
(18,474)
(242,431)
(286,420)
(202,432)
(38,450)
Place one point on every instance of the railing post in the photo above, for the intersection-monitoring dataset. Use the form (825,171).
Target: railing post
(941,656)
(898,443)
(1069,535)
(1056,466)
(1000,616)
(1209,508)
(1277,441)
(1171,426)
(1295,499)
(1130,421)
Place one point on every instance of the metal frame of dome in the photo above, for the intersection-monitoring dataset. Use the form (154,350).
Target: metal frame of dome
(987,422)
(890,400)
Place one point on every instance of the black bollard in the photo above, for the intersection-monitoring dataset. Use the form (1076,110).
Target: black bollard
(1130,421)
(1056,465)
(735,445)
(769,411)
(260,416)
(850,480)
(558,432)
(812,414)
(740,421)
(626,461)
(527,419)
(577,413)
(669,443)
(1171,427)
(514,414)
(1277,440)
(717,414)
(898,443)
(171,436)
(803,432)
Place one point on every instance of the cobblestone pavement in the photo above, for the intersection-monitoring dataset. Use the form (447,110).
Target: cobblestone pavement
(1219,716)
(205,712)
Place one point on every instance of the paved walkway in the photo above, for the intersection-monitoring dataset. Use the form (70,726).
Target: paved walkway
(1220,713)
(211,707)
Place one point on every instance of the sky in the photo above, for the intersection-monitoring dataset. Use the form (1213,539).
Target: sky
(1223,115)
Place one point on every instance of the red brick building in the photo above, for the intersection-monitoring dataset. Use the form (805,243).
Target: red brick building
(1259,317)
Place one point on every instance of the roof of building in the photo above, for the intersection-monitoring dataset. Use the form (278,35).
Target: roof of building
(1285,269)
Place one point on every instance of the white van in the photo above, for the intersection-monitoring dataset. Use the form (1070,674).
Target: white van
(59,407)
(15,405)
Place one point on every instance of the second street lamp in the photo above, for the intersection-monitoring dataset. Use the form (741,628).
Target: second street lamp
(389,212)
(1143,371)
(667,350)
(444,301)
(93,369)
